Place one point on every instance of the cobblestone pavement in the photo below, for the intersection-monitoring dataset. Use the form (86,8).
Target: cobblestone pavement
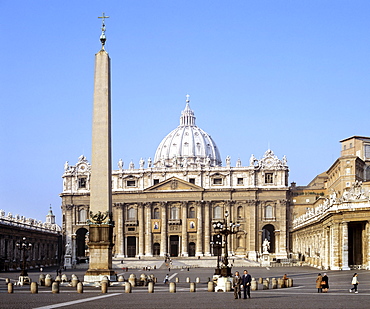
(303,294)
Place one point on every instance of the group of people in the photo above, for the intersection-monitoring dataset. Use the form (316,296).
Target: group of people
(242,283)
(322,283)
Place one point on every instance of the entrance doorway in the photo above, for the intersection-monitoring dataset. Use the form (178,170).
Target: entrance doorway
(355,243)
(156,249)
(268,232)
(191,249)
(131,246)
(174,245)
(81,245)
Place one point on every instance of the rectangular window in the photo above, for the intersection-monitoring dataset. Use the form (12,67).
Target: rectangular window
(192,180)
(268,178)
(217,181)
(131,183)
(131,229)
(155,181)
(82,182)
(367,151)
(240,181)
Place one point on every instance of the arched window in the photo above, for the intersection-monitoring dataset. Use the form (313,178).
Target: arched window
(156,213)
(192,212)
(217,212)
(131,214)
(240,212)
(268,212)
(174,213)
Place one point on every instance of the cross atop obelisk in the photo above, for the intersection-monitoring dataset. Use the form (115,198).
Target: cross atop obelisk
(102,36)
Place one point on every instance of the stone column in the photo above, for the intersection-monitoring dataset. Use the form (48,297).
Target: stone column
(148,240)
(207,232)
(140,210)
(120,250)
(199,246)
(327,248)
(184,232)
(345,246)
(163,246)
(335,249)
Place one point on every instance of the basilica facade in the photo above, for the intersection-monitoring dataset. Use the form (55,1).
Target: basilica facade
(167,206)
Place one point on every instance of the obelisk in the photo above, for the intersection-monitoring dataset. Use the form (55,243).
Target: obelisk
(100,222)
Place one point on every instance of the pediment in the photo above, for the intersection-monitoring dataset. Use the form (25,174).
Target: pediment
(174,184)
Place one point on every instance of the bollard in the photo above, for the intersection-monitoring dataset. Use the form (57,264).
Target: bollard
(104,287)
(34,288)
(260,280)
(265,284)
(254,285)
(127,287)
(74,282)
(193,287)
(104,279)
(290,282)
(281,283)
(64,278)
(197,280)
(187,279)
(7,280)
(172,287)
(151,287)
(211,286)
(80,288)
(11,287)
(227,286)
(121,278)
(48,280)
(57,278)
(42,279)
(274,283)
(177,280)
(55,288)
(132,280)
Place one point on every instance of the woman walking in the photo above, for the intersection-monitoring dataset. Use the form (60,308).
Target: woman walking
(355,283)
(319,283)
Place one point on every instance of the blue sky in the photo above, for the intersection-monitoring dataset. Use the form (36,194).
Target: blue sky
(290,75)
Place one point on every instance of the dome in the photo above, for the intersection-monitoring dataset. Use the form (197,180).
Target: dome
(187,145)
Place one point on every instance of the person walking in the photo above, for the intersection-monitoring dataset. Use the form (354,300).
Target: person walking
(319,283)
(237,280)
(166,279)
(325,283)
(355,283)
(246,283)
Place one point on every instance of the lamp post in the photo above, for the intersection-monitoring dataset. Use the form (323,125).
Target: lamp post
(23,247)
(225,228)
(217,244)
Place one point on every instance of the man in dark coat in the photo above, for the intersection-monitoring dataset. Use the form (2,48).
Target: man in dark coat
(237,280)
(246,283)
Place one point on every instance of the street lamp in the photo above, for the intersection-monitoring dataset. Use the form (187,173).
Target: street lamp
(23,247)
(217,244)
(225,228)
